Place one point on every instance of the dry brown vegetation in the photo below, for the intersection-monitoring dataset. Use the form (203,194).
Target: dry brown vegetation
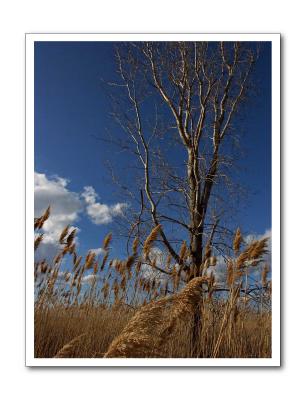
(110,308)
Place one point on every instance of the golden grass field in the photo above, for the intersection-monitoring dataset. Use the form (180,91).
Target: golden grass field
(109,308)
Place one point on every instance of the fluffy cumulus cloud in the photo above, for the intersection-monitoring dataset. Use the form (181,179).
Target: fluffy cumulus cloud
(65,208)
(90,279)
(100,213)
(98,252)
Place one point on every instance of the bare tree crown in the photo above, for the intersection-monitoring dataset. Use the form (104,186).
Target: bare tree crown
(182,94)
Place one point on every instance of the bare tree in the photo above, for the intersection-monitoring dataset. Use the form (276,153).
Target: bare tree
(176,103)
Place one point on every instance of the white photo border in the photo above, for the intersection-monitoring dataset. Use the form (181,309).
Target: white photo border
(275,360)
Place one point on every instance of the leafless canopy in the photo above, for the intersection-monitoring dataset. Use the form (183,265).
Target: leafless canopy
(176,103)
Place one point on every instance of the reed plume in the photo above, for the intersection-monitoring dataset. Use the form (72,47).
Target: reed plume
(253,253)
(64,234)
(38,240)
(107,241)
(39,222)
(148,331)
(237,241)
(264,275)
(150,240)
(183,252)
(135,245)
(68,350)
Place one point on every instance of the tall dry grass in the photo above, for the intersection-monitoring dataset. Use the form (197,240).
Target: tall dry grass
(93,307)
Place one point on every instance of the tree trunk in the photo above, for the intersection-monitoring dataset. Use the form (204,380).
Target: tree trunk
(196,249)
(196,211)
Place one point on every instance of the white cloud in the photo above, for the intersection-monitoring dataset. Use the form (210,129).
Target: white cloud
(150,273)
(219,270)
(89,279)
(100,213)
(65,208)
(250,238)
(98,251)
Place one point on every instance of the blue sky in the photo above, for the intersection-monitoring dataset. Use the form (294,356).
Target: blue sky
(71,111)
